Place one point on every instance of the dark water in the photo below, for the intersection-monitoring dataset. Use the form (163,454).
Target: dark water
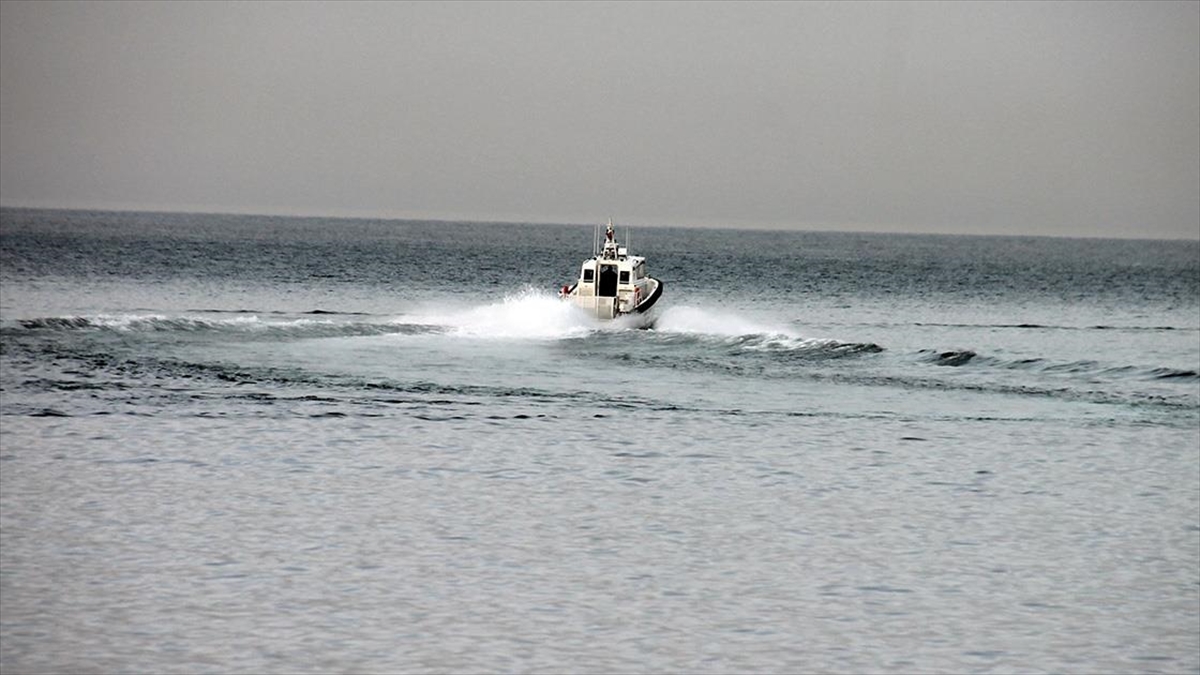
(255,444)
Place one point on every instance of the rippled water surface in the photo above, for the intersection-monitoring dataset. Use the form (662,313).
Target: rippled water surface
(257,444)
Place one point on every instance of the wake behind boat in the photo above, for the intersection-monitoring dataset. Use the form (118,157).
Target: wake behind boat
(613,284)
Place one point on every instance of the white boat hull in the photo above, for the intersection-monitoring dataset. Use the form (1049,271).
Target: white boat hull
(607,308)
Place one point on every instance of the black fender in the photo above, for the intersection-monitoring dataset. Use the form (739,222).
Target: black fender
(646,304)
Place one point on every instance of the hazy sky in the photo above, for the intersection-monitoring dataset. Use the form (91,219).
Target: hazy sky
(1062,118)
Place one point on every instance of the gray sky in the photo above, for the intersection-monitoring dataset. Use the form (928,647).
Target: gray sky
(1059,118)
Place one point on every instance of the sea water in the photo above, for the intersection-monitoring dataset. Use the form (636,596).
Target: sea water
(260,444)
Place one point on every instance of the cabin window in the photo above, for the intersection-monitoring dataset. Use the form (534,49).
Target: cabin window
(624,276)
(588,275)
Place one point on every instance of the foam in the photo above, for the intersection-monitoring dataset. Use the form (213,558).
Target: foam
(694,320)
(528,314)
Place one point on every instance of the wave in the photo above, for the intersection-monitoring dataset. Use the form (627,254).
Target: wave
(1085,367)
(276,311)
(1173,373)
(1039,326)
(682,336)
(249,324)
(267,384)
(744,335)
(527,314)
(953,357)
(693,320)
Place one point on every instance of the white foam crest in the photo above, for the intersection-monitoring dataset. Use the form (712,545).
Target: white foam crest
(748,334)
(126,321)
(530,314)
(714,322)
(791,343)
(159,322)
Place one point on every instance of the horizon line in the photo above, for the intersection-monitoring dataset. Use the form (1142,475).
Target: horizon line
(815,228)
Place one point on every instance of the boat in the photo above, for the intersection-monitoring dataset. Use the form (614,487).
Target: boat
(613,284)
